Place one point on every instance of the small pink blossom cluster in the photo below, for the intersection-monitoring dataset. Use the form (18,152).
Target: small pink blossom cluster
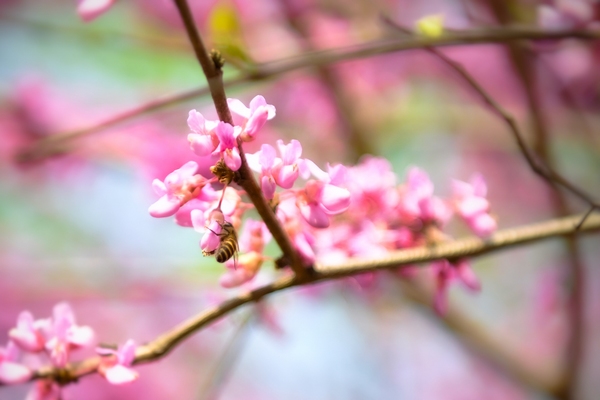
(567,14)
(384,216)
(333,215)
(53,339)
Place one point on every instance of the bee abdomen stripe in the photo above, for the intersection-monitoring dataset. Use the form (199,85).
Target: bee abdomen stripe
(225,251)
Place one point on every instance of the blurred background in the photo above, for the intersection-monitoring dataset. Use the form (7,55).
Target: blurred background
(75,226)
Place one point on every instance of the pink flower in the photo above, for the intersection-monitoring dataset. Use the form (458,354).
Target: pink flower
(263,162)
(179,187)
(211,240)
(417,200)
(12,372)
(91,9)
(254,236)
(278,171)
(227,135)
(66,335)
(248,265)
(253,118)
(318,200)
(286,169)
(117,369)
(446,272)
(28,333)
(288,214)
(45,389)
(472,205)
(204,140)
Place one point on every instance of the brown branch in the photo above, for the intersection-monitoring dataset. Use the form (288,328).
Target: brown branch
(576,273)
(50,146)
(522,64)
(214,76)
(467,247)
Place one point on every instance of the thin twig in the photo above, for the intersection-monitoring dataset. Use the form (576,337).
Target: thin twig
(543,170)
(574,352)
(467,247)
(214,76)
(50,146)
(576,269)
(585,216)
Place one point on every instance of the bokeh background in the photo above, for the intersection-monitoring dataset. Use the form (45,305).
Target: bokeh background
(75,227)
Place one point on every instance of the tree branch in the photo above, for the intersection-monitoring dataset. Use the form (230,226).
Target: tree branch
(53,145)
(214,76)
(467,247)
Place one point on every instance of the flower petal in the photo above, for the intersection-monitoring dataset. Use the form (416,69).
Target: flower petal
(232,159)
(120,374)
(286,176)
(314,215)
(12,373)
(335,199)
(91,9)
(268,186)
(197,123)
(81,336)
(201,145)
(237,107)
(164,207)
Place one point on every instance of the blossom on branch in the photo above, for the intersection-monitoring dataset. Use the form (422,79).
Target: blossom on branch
(117,369)
(89,10)
(472,205)
(45,389)
(179,187)
(253,118)
(446,272)
(65,335)
(28,333)
(227,135)
(11,371)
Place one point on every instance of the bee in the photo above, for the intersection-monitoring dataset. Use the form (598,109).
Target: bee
(228,244)
(223,173)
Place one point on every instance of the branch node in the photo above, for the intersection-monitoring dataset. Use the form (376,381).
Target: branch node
(217,59)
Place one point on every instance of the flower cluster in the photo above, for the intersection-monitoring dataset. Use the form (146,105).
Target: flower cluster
(381,215)
(48,340)
(192,199)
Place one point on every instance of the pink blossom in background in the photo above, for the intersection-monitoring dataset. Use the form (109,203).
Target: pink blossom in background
(446,272)
(116,369)
(472,205)
(11,371)
(29,334)
(65,335)
(45,389)
(246,269)
(89,10)
(417,200)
